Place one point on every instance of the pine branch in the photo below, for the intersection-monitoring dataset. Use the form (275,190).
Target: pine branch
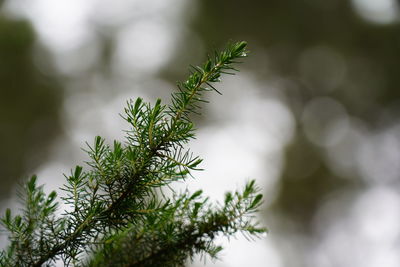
(114,204)
(189,227)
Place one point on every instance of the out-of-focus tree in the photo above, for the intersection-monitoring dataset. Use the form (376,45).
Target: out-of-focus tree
(29,103)
(331,64)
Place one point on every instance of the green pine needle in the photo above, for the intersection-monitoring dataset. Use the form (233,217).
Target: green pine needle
(117,216)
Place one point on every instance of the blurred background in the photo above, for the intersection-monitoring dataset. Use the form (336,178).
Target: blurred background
(314,115)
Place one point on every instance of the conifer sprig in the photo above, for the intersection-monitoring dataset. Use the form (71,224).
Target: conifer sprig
(114,205)
(185,228)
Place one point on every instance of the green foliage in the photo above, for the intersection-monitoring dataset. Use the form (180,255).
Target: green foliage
(118,214)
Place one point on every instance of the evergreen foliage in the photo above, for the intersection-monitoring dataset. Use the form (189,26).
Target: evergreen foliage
(118,214)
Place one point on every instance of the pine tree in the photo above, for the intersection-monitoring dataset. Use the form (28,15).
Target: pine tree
(118,214)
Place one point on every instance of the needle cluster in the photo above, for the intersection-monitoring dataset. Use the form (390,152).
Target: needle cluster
(118,214)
